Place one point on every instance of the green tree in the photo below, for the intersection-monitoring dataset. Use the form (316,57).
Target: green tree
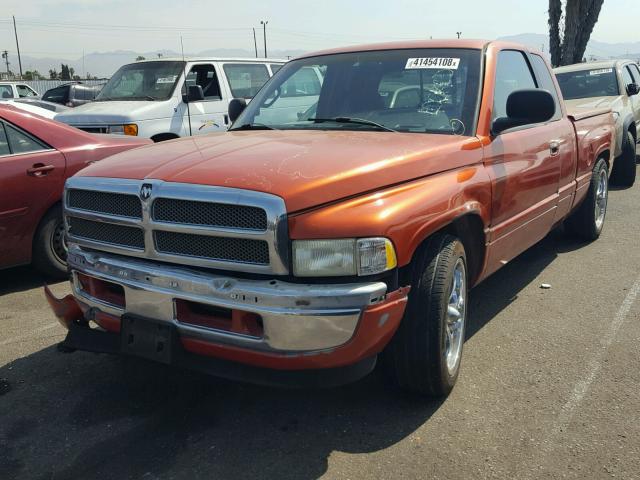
(53,74)
(32,75)
(64,72)
(140,58)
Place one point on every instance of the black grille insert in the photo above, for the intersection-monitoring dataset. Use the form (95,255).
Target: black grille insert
(213,248)
(119,204)
(119,235)
(191,212)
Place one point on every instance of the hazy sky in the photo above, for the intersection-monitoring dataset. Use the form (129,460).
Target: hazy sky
(64,28)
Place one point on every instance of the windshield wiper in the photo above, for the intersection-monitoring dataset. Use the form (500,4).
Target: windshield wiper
(358,121)
(253,126)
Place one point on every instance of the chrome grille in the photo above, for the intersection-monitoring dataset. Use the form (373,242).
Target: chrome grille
(130,237)
(215,248)
(209,214)
(105,202)
(205,226)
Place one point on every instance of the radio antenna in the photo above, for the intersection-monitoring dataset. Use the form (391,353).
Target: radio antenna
(186,87)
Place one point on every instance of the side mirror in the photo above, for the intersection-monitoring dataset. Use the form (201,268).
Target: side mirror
(526,107)
(633,89)
(236,107)
(194,94)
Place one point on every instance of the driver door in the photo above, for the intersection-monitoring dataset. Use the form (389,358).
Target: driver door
(210,114)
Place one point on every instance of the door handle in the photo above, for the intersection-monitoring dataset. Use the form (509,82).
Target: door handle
(554,147)
(39,170)
(226,119)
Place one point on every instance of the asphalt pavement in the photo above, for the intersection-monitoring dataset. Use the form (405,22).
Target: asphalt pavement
(549,388)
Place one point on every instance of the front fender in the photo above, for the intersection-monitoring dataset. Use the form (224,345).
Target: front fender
(406,214)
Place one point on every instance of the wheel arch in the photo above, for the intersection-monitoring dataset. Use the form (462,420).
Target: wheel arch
(470,229)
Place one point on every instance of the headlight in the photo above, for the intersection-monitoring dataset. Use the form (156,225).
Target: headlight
(128,129)
(342,257)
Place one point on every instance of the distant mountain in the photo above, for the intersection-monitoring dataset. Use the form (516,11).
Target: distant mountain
(104,64)
(595,49)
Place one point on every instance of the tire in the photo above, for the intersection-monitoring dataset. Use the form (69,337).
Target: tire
(587,221)
(624,167)
(417,358)
(49,248)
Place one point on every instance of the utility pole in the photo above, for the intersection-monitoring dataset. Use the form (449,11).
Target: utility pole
(15,30)
(458,33)
(255,42)
(264,29)
(5,55)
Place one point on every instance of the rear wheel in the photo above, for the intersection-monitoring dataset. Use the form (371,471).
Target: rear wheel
(588,220)
(49,245)
(624,167)
(425,353)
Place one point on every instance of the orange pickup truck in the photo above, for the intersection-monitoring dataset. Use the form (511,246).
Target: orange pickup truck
(340,222)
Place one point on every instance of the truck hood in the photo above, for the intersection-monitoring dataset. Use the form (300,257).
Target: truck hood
(593,103)
(305,168)
(110,112)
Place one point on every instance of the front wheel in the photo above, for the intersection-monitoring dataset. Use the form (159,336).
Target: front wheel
(425,353)
(624,167)
(49,245)
(587,221)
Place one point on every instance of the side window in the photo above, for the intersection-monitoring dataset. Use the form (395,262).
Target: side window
(205,76)
(246,79)
(626,77)
(634,74)
(20,142)
(57,95)
(512,74)
(275,67)
(25,91)
(4,143)
(303,83)
(6,91)
(546,82)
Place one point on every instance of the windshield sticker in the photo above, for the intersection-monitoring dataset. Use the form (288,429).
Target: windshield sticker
(433,62)
(601,71)
(170,79)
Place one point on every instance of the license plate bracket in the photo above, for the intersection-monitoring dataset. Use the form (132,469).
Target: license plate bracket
(146,338)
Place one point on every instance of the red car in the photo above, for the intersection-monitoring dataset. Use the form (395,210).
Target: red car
(36,157)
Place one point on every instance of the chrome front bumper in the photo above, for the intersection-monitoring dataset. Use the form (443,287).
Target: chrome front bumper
(296,317)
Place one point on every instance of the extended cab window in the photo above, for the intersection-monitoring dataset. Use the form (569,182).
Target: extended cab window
(419,91)
(205,76)
(593,82)
(546,82)
(246,79)
(4,143)
(512,73)
(275,67)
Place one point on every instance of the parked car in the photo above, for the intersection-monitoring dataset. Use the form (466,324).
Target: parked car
(152,99)
(302,250)
(38,106)
(36,156)
(72,94)
(16,90)
(612,84)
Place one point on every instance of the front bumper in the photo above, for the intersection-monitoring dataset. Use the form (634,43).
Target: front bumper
(302,326)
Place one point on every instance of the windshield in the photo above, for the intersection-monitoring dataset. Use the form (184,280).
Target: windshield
(418,90)
(600,82)
(142,81)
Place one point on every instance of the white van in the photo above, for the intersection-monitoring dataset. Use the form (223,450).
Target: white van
(151,98)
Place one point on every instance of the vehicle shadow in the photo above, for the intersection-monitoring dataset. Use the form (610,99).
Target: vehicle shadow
(86,416)
(19,279)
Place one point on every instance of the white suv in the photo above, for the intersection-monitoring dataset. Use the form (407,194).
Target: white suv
(611,84)
(153,99)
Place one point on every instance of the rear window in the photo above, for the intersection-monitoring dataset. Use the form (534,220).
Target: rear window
(595,82)
(246,79)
